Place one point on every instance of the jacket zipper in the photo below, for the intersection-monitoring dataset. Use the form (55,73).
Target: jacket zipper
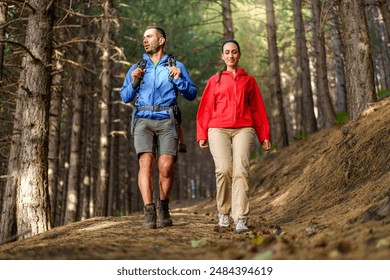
(235,99)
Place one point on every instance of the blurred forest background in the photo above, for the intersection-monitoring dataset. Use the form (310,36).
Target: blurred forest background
(65,150)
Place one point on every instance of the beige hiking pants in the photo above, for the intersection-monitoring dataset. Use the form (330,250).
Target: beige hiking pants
(231,149)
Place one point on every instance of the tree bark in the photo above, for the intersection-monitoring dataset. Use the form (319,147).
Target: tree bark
(385,11)
(32,208)
(358,62)
(380,49)
(339,63)
(8,211)
(54,135)
(105,117)
(304,90)
(280,137)
(324,100)
(78,101)
(3,20)
(227,20)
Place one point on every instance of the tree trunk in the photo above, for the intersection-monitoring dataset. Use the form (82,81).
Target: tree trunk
(8,212)
(73,183)
(32,208)
(380,49)
(54,135)
(227,20)
(127,160)
(358,62)
(105,117)
(114,200)
(325,102)
(385,11)
(280,137)
(3,20)
(64,157)
(304,90)
(339,63)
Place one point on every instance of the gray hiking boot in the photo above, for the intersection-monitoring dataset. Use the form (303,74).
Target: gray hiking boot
(223,220)
(163,213)
(150,216)
(241,225)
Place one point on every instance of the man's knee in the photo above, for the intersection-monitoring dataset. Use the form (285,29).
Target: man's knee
(146,160)
(165,165)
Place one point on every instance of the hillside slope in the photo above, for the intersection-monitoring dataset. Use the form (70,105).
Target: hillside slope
(327,197)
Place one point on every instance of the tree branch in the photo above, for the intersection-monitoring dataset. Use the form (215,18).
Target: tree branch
(11,21)
(22,2)
(20,45)
(49,6)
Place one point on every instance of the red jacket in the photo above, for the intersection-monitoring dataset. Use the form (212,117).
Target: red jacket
(232,103)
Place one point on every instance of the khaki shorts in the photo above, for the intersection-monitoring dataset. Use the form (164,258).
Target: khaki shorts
(155,136)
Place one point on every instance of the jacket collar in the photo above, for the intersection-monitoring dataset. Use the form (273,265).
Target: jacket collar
(164,59)
(240,72)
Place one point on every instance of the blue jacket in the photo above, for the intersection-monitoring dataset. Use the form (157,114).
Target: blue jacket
(156,89)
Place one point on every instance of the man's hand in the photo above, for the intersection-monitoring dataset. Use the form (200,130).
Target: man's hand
(137,73)
(174,72)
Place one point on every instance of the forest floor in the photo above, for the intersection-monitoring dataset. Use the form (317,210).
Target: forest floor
(325,197)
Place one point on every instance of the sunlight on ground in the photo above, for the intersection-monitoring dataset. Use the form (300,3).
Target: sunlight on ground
(281,200)
(99,226)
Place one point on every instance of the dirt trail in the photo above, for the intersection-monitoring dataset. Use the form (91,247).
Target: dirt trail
(327,197)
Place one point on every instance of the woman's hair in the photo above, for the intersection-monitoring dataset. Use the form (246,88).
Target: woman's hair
(231,41)
(223,44)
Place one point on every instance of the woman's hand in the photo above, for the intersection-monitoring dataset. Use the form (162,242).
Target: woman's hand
(266,144)
(203,144)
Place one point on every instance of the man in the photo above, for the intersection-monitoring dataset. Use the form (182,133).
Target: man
(155,130)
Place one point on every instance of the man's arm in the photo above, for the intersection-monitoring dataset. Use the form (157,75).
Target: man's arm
(128,93)
(184,83)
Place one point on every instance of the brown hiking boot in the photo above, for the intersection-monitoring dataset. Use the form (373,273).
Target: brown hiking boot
(163,213)
(150,216)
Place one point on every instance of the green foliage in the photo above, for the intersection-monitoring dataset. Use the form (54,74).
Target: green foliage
(341,118)
(258,240)
(382,93)
(267,255)
(199,243)
(303,135)
(120,213)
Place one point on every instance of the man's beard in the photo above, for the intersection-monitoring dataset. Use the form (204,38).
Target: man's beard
(152,49)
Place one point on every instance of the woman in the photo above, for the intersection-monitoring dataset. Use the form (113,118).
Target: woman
(230,113)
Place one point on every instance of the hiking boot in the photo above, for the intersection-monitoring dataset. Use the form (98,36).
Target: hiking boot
(150,216)
(241,225)
(163,213)
(223,220)
(182,148)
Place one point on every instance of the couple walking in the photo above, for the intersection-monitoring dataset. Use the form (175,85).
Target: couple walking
(231,113)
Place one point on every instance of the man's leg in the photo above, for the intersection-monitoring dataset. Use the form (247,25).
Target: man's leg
(144,143)
(167,148)
(145,182)
(165,167)
(145,176)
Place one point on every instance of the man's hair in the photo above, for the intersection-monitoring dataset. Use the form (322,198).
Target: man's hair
(159,30)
